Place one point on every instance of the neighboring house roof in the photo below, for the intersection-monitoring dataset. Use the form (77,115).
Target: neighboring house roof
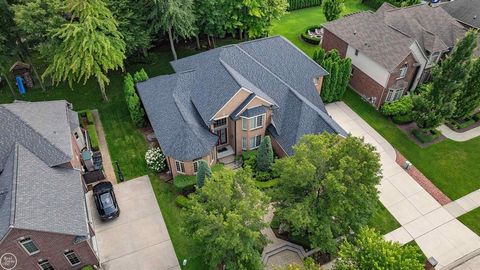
(36,193)
(387,35)
(366,32)
(465,11)
(271,68)
(433,28)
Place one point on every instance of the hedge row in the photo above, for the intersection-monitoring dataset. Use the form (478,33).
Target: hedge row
(311,39)
(426,138)
(92,134)
(298,4)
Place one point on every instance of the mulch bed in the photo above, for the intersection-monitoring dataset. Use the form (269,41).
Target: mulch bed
(423,181)
(407,129)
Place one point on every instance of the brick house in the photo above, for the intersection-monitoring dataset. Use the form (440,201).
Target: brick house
(392,49)
(224,101)
(43,215)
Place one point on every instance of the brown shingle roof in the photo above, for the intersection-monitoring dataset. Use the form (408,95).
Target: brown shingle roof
(366,32)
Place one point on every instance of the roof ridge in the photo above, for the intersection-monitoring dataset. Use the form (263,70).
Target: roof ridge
(37,133)
(14,185)
(295,92)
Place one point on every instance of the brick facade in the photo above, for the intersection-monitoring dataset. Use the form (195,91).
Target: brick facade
(51,247)
(362,83)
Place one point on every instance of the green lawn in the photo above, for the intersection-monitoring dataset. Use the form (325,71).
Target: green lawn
(451,166)
(383,221)
(472,220)
(292,24)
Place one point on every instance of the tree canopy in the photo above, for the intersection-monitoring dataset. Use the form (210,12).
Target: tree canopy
(225,218)
(370,251)
(90,45)
(468,98)
(327,188)
(332,9)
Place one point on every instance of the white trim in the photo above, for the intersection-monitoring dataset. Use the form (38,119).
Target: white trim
(72,251)
(26,239)
(224,105)
(263,115)
(176,167)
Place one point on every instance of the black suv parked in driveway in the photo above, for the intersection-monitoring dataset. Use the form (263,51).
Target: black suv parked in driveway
(105,201)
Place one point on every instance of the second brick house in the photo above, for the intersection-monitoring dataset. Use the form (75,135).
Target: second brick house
(392,49)
(224,101)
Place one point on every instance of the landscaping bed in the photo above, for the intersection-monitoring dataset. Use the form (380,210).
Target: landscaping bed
(426,136)
(465,124)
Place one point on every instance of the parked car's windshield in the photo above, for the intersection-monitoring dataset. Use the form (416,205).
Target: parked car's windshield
(107,202)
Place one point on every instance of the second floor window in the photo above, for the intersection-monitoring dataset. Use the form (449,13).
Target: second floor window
(72,258)
(252,123)
(45,265)
(403,72)
(220,123)
(180,166)
(29,246)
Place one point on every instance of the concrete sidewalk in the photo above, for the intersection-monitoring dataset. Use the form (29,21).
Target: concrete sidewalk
(459,136)
(422,218)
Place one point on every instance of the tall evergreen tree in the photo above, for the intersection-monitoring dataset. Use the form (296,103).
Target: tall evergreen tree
(336,82)
(332,9)
(425,111)
(450,74)
(132,18)
(469,97)
(175,17)
(91,45)
(203,172)
(265,155)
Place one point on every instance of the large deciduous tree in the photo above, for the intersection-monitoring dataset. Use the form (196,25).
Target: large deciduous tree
(469,97)
(332,9)
(90,45)
(174,17)
(327,188)
(211,18)
(132,18)
(370,251)
(225,218)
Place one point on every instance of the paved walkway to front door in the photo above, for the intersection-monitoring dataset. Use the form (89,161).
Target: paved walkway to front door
(437,232)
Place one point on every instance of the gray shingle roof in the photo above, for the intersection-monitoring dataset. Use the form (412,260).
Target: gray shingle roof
(466,11)
(35,193)
(254,111)
(272,68)
(387,34)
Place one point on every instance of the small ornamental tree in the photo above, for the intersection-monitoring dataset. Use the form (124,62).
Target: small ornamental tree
(370,251)
(225,219)
(265,155)
(155,159)
(327,188)
(424,110)
(332,9)
(140,76)
(203,172)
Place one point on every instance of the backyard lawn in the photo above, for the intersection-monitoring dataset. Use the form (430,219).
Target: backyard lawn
(451,166)
(292,24)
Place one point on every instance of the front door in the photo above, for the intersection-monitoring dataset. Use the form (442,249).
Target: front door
(222,136)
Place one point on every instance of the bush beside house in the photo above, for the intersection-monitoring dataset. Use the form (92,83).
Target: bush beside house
(92,135)
(155,159)
(137,113)
(400,110)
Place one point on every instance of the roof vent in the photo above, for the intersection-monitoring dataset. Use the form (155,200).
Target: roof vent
(474,17)
(355,32)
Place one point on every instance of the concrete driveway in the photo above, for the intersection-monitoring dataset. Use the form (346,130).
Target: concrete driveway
(421,217)
(138,239)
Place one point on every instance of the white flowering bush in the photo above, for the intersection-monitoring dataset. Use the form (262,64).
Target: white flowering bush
(155,159)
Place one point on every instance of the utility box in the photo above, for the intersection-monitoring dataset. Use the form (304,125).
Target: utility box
(407,165)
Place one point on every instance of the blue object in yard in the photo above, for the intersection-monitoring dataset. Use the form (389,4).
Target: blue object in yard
(20,85)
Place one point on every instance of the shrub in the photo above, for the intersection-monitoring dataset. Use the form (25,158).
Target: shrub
(140,76)
(298,4)
(203,172)
(155,159)
(89,117)
(403,119)
(137,114)
(92,134)
(426,136)
(88,267)
(185,183)
(264,155)
(476,117)
(402,106)
(249,158)
(263,176)
(459,124)
(311,39)
(128,85)
(181,201)
(266,184)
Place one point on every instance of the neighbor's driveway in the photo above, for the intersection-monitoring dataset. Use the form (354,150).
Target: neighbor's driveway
(423,219)
(138,239)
